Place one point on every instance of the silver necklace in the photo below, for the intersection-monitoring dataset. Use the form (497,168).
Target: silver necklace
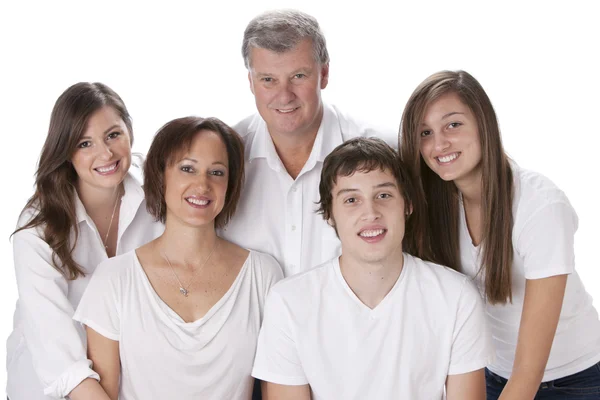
(111,221)
(182,289)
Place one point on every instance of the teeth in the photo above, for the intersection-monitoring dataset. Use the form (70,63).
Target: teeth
(286,111)
(197,202)
(372,233)
(107,169)
(448,158)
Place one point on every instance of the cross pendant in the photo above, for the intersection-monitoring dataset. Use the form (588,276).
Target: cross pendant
(183,291)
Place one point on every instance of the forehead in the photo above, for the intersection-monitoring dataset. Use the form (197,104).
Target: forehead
(264,61)
(444,105)
(202,145)
(365,180)
(102,119)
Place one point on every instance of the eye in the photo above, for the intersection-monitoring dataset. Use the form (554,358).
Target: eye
(350,200)
(384,196)
(454,125)
(300,76)
(425,133)
(217,173)
(187,168)
(84,145)
(267,79)
(113,135)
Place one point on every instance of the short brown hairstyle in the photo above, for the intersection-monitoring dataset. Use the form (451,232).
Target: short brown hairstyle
(177,136)
(365,155)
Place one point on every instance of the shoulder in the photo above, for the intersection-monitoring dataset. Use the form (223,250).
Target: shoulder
(248,126)
(116,268)
(533,187)
(354,126)
(534,193)
(436,278)
(265,263)
(306,285)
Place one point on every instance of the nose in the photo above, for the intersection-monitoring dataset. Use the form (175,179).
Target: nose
(285,94)
(370,211)
(105,151)
(202,184)
(441,141)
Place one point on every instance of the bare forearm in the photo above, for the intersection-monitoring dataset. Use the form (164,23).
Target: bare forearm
(89,389)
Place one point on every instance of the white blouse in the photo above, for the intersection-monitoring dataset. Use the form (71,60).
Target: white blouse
(46,352)
(164,357)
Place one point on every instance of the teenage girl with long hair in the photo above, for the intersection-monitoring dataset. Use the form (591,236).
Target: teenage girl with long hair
(512,231)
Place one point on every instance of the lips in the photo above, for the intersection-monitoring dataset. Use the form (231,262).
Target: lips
(286,110)
(198,202)
(108,169)
(372,234)
(448,158)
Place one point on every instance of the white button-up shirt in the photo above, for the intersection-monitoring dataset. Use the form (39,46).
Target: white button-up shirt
(276,214)
(46,352)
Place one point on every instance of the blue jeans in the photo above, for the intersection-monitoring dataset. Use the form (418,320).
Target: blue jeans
(584,385)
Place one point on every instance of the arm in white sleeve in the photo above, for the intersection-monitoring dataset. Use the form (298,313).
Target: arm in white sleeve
(472,347)
(55,341)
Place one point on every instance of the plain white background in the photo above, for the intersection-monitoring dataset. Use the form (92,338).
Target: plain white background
(537,61)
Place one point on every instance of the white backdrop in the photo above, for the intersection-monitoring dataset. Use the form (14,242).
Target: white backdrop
(538,61)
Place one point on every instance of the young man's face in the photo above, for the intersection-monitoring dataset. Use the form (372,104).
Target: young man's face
(368,212)
(287,88)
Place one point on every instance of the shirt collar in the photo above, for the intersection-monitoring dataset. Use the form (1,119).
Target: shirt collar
(133,197)
(329,136)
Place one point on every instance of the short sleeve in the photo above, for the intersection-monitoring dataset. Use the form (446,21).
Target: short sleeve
(99,307)
(546,241)
(471,340)
(271,271)
(277,359)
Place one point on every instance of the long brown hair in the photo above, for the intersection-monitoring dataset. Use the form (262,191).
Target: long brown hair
(53,202)
(439,227)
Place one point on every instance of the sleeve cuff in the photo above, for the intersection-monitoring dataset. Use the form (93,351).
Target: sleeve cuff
(279,379)
(97,328)
(69,379)
(548,272)
(470,367)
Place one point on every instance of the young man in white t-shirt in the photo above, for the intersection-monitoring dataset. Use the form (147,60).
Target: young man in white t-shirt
(375,323)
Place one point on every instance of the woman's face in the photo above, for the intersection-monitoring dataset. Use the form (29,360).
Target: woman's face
(103,154)
(450,142)
(196,184)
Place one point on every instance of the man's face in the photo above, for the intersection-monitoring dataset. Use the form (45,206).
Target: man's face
(368,212)
(287,89)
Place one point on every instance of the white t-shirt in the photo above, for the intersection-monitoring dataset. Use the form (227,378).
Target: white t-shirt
(164,357)
(284,208)
(544,225)
(46,352)
(317,332)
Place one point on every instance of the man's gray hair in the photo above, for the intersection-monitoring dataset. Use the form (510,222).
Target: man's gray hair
(281,31)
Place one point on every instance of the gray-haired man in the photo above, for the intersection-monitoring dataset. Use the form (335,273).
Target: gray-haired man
(287,140)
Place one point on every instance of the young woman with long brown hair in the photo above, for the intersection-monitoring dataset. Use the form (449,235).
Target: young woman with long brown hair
(512,231)
(85,209)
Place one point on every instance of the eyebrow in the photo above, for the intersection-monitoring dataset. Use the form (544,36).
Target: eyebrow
(381,185)
(195,161)
(105,132)
(451,114)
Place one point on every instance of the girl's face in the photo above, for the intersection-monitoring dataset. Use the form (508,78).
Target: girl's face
(450,142)
(103,154)
(196,184)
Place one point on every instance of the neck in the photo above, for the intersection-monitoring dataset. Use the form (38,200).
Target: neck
(471,188)
(186,244)
(371,282)
(94,198)
(294,149)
